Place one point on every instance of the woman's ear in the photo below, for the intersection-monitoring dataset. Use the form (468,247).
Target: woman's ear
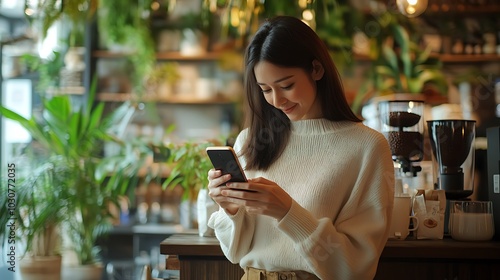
(318,70)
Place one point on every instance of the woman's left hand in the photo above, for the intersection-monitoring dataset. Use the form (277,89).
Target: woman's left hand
(260,196)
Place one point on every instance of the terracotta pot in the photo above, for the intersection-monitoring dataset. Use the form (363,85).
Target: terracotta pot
(40,268)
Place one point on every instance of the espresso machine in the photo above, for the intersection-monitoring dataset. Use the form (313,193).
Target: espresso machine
(401,122)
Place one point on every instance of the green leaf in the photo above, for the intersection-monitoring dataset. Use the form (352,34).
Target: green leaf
(391,58)
(385,71)
(29,124)
(403,40)
(415,85)
(423,56)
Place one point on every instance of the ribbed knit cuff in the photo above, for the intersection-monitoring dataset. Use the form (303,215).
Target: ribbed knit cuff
(239,215)
(225,220)
(298,223)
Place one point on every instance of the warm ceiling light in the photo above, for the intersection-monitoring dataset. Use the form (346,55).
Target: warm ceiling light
(412,8)
(307,15)
(155,6)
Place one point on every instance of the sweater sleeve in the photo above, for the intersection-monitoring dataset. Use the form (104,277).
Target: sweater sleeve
(348,247)
(234,232)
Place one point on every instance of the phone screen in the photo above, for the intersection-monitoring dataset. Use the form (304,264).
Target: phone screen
(224,158)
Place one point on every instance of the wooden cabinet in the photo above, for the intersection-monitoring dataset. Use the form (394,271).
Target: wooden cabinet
(439,259)
(201,258)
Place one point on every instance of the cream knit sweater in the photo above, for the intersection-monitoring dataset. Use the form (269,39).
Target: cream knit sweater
(341,178)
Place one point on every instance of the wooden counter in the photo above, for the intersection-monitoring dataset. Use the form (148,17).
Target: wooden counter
(201,258)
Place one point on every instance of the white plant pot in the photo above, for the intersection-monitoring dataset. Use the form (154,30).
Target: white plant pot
(206,206)
(187,214)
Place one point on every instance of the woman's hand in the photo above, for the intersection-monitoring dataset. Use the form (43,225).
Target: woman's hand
(259,196)
(215,185)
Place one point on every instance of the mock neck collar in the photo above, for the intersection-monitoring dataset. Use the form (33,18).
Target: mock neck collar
(318,126)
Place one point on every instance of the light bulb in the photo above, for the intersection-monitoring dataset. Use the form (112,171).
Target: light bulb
(412,8)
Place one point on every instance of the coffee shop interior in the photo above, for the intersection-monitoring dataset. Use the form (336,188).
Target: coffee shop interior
(108,106)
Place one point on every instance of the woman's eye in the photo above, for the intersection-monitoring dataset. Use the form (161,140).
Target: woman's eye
(288,87)
(265,90)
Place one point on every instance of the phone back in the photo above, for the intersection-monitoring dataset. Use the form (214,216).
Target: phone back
(224,159)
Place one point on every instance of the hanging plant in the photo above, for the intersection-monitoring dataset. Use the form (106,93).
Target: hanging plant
(49,12)
(127,23)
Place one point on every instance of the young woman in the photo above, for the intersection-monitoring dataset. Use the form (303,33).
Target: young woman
(322,182)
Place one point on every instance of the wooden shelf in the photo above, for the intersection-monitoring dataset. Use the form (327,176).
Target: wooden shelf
(461,58)
(178,56)
(114,97)
(110,54)
(461,9)
(122,97)
(451,58)
(209,56)
(66,91)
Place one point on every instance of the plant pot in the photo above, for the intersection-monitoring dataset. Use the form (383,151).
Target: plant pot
(83,272)
(187,214)
(40,268)
(205,206)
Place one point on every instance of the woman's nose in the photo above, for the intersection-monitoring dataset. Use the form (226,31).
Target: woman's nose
(278,99)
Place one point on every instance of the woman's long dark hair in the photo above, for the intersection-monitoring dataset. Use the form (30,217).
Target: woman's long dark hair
(287,42)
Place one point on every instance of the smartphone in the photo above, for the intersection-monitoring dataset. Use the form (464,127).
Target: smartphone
(224,158)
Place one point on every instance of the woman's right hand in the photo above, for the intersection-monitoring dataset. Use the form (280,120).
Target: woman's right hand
(216,183)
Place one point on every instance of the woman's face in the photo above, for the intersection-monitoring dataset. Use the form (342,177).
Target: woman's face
(291,90)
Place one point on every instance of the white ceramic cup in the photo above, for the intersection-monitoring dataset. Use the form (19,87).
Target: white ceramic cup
(471,220)
(400,222)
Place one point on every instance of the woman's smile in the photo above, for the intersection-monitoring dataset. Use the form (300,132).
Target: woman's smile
(288,110)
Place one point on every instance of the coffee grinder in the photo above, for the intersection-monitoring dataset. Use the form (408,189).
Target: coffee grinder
(452,143)
(453,156)
(402,124)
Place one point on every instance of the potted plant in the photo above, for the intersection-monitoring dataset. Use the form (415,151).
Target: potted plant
(162,79)
(400,68)
(38,210)
(189,166)
(76,135)
(407,69)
